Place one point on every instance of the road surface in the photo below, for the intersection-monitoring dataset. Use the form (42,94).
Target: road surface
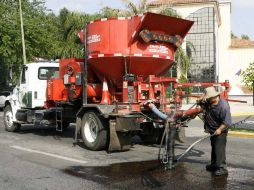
(43,159)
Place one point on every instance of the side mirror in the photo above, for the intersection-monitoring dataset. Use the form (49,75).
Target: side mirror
(9,76)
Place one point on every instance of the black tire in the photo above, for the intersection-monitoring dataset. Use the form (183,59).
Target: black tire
(180,135)
(94,131)
(10,126)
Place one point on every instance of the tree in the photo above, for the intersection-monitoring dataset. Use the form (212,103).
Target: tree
(248,76)
(245,37)
(40,30)
(107,12)
(69,24)
(233,36)
(135,9)
(10,45)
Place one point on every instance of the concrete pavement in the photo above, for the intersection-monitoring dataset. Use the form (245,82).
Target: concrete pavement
(241,109)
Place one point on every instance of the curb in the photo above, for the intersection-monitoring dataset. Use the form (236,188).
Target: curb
(241,134)
(242,114)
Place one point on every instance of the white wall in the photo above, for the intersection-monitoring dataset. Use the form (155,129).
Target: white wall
(231,60)
(224,41)
(185,11)
(238,58)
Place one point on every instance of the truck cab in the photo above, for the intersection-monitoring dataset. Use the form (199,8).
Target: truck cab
(30,92)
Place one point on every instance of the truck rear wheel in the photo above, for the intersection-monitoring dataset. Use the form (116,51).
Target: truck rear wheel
(10,126)
(94,131)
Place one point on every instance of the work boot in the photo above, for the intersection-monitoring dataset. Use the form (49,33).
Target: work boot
(210,168)
(221,171)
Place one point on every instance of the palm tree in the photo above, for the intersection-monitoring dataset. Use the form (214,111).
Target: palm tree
(70,24)
(135,9)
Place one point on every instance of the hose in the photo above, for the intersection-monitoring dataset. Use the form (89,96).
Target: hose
(192,145)
(157,112)
(162,116)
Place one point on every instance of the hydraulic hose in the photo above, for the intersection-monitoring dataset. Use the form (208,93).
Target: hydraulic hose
(157,112)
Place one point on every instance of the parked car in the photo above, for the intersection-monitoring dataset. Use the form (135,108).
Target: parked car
(3,96)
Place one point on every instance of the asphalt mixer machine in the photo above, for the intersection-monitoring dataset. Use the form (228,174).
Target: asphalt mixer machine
(122,84)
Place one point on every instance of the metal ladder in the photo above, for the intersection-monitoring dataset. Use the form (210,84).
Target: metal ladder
(59,111)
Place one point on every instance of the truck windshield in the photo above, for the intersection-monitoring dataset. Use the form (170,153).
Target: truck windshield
(46,73)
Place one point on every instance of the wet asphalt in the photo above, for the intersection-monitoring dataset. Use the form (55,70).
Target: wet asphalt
(134,169)
(151,175)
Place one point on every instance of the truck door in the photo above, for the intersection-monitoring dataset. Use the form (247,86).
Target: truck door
(24,98)
(44,74)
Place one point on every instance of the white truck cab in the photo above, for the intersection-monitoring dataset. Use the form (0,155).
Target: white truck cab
(30,92)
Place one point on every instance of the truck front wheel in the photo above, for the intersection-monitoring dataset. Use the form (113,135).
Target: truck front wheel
(94,131)
(10,126)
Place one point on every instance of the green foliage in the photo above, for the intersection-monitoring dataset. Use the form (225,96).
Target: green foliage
(187,90)
(69,24)
(135,9)
(248,76)
(233,36)
(108,12)
(182,79)
(39,30)
(245,37)
(169,12)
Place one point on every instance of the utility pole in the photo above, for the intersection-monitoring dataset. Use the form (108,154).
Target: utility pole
(22,33)
(253,92)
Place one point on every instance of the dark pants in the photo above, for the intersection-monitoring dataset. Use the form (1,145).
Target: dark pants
(218,154)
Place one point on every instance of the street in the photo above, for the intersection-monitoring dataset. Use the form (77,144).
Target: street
(44,159)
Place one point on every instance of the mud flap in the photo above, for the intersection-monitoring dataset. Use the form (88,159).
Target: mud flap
(119,141)
(77,129)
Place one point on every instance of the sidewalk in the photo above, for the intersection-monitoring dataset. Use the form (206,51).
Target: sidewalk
(241,109)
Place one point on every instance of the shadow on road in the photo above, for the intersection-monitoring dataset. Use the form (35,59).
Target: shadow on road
(48,131)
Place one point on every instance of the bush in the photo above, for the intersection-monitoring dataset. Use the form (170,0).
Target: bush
(248,76)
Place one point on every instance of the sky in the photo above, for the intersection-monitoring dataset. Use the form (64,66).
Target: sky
(241,17)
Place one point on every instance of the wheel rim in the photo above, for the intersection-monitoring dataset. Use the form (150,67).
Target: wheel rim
(8,119)
(91,129)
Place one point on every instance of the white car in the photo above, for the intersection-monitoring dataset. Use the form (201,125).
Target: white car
(3,97)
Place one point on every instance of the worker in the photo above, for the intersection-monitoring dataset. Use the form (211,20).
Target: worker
(217,117)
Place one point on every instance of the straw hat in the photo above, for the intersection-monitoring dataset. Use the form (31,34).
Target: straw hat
(210,92)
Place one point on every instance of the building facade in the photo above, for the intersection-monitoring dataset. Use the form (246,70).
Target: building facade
(217,57)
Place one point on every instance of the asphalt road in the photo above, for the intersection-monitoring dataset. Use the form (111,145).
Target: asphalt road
(43,159)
